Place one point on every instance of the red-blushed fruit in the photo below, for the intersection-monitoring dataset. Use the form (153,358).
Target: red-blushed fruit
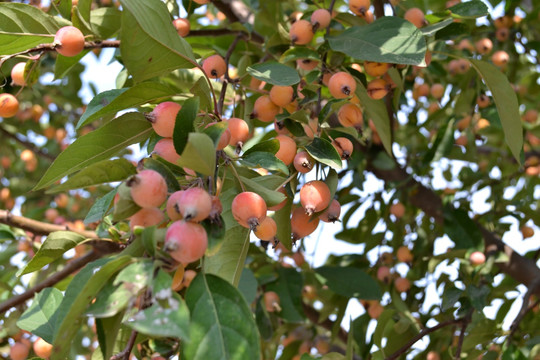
(282,95)
(165,149)
(332,212)
(163,118)
(484,46)
(343,146)
(264,109)
(526,231)
(378,88)
(195,204)
(301,32)
(271,301)
(477,258)
(19,351)
(17,74)
(224,139)
(397,209)
(182,26)
(267,229)
(437,90)
(287,149)
(9,105)
(350,115)
(342,85)
(502,34)
(530,116)
(42,348)
(249,209)
(189,275)
(303,162)
(376,69)
(146,217)
(416,17)
(307,64)
(314,196)
(281,204)
(185,241)
(402,284)
(173,206)
(320,19)
(69,40)
(148,188)
(500,58)
(239,131)
(280,128)
(214,66)
(178,278)
(302,224)
(359,7)
(384,274)
(404,255)
(202,2)
(433,355)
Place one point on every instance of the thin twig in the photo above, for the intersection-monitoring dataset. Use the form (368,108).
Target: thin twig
(227,79)
(124,354)
(237,176)
(525,308)
(27,144)
(464,325)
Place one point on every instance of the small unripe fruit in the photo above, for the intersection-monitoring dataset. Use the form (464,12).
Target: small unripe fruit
(42,348)
(9,105)
(416,17)
(320,19)
(163,118)
(378,88)
(70,41)
(437,91)
(282,95)
(287,149)
(182,26)
(249,209)
(527,232)
(214,66)
(19,351)
(344,147)
(303,162)
(332,212)
(271,301)
(350,115)
(402,284)
(173,206)
(359,7)
(307,64)
(17,74)
(146,217)
(165,149)
(239,130)
(404,255)
(195,204)
(186,241)
(342,85)
(302,224)
(314,196)
(148,188)
(301,32)
(383,274)
(375,310)
(477,258)
(264,109)
(502,34)
(267,229)
(531,116)
(375,69)
(484,46)
(397,209)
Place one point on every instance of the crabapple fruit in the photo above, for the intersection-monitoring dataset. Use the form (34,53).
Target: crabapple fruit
(303,162)
(527,231)
(416,17)
(397,209)
(185,241)
(148,188)
(146,217)
(182,26)
(282,95)
(320,19)
(189,275)
(375,69)
(217,208)
(359,7)
(314,196)
(214,66)
(350,115)
(484,46)
(306,64)
(271,301)
(17,74)
(375,310)
(383,274)
(332,212)
(248,209)
(9,105)
(402,284)
(172,207)
(165,149)
(433,355)
(163,118)
(264,109)
(437,90)
(343,146)
(342,85)
(239,130)
(267,229)
(500,58)
(404,255)
(287,149)
(281,204)
(202,2)
(378,88)
(302,224)
(477,258)
(42,348)
(19,351)
(69,40)
(195,204)
(301,32)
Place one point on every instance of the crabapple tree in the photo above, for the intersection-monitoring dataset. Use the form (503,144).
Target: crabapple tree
(293,180)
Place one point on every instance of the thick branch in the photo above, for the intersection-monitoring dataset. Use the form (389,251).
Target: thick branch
(27,144)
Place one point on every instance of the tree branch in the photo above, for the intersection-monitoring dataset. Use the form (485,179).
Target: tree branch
(525,308)
(27,144)
(237,11)
(328,324)
(124,354)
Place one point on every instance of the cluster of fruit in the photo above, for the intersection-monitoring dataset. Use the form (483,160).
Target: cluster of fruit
(21,349)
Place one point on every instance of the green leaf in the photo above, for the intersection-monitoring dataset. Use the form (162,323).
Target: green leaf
(105,21)
(201,89)
(450,298)
(215,229)
(215,131)
(107,141)
(271,197)
(84,286)
(289,288)
(432,29)
(107,330)
(199,154)
(111,300)
(469,10)
(63,64)
(170,178)
(54,246)
(506,102)
(299,53)
(265,160)
(248,285)
(270,146)
(389,39)
(461,229)
(40,317)
(184,123)
(274,73)
(149,43)
(222,325)
(324,152)
(102,172)
(23,27)
(282,217)
(125,206)
(350,282)
(112,101)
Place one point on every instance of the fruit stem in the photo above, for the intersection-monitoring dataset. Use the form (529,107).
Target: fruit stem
(286,181)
